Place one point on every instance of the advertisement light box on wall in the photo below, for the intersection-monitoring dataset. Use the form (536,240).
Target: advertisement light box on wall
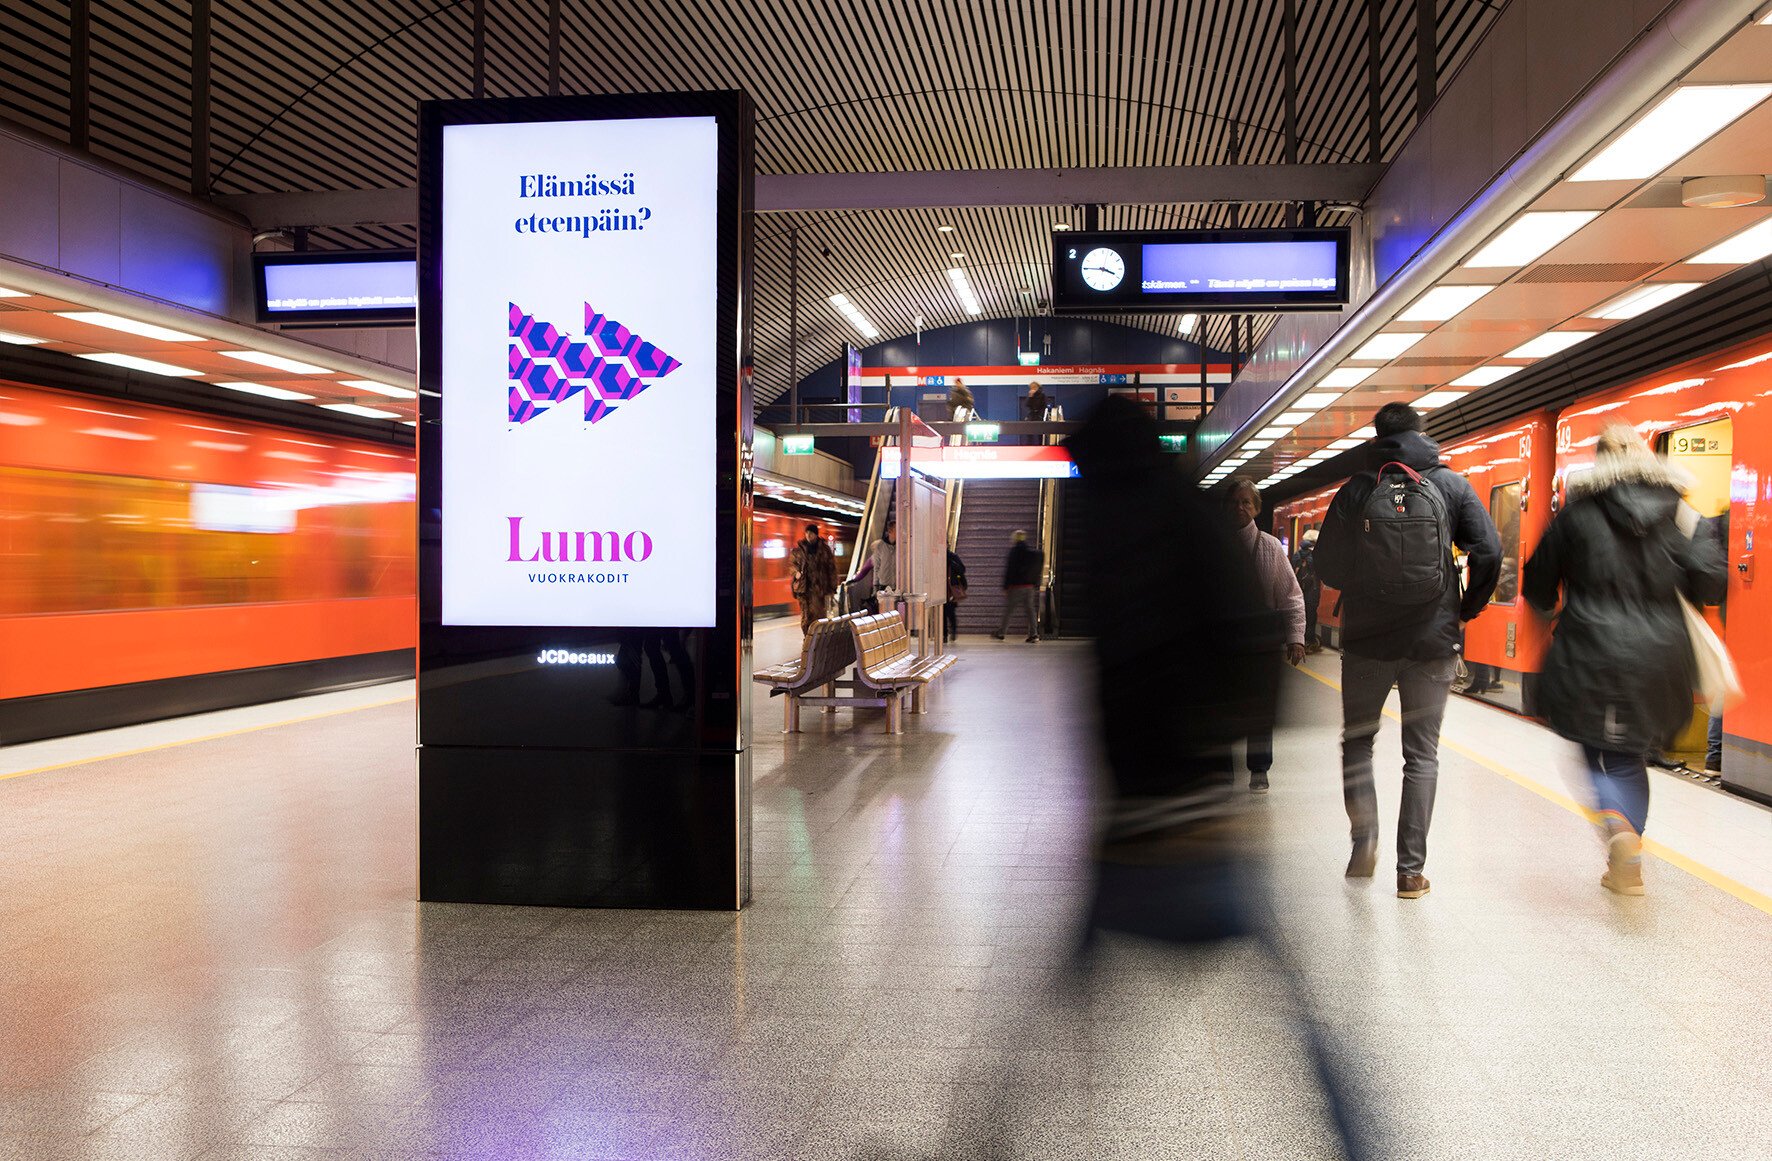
(1200,270)
(580,308)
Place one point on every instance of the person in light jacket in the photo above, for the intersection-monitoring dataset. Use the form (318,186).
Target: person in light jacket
(1279,590)
(1619,675)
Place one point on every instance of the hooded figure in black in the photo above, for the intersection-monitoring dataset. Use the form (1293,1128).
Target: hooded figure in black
(1619,675)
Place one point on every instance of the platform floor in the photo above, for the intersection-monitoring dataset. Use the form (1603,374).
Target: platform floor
(210,950)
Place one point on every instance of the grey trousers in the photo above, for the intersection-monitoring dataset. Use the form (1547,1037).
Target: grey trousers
(1021,599)
(1423,686)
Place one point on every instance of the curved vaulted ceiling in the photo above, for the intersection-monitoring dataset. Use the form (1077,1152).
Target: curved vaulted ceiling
(320,95)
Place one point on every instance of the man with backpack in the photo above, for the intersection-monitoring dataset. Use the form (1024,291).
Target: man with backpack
(1387,545)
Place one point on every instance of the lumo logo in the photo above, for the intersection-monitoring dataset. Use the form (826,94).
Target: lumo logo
(547,367)
(577,547)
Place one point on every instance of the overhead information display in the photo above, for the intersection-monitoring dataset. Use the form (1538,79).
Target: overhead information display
(364,288)
(580,307)
(1199,270)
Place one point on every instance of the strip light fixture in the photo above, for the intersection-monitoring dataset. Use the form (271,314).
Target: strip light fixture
(265,390)
(1549,343)
(1435,399)
(117,322)
(365,412)
(847,308)
(277,362)
(1345,377)
(963,290)
(8,292)
(1683,120)
(1442,302)
(1643,299)
(387,389)
(137,363)
(1751,245)
(20,340)
(1189,324)
(1529,236)
(1384,347)
(1482,377)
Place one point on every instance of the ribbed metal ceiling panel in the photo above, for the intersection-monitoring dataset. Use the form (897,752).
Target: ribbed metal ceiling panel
(320,94)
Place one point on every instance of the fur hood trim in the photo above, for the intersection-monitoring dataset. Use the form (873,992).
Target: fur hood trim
(1609,471)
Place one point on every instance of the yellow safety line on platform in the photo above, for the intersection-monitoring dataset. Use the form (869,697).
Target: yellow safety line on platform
(204,738)
(1666,854)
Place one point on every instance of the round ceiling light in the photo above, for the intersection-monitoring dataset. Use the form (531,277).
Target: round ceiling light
(956,257)
(1721,193)
(944,229)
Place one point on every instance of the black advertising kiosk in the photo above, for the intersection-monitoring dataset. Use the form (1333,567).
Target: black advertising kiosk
(584,529)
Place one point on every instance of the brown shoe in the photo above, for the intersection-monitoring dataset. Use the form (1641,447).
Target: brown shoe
(1411,886)
(1364,862)
(1624,864)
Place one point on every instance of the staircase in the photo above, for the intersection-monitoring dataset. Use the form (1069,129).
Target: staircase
(989,511)
(1071,579)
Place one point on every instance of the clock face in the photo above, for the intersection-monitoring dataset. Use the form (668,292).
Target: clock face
(1103,268)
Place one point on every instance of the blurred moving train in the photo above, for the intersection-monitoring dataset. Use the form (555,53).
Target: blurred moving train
(158,561)
(1713,418)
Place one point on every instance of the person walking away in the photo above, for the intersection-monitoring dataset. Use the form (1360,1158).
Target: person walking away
(1387,544)
(813,576)
(961,408)
(1021,585)
(950,612)
(1279,591)
(1033,406)
(1304,567)
(1619,675)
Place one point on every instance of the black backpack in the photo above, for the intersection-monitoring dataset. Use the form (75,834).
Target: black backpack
(1402,554)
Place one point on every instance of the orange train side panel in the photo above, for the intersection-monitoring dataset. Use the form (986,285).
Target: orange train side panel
(48,654)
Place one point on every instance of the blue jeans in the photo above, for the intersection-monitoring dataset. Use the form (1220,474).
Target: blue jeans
(1713,750)
(1621,785)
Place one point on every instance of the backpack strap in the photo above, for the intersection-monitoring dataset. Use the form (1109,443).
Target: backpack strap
(1411,472)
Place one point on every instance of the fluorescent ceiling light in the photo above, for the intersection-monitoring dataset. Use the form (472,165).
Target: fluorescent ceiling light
(1345,444)
(1685,119)
(1482,377)
(1294,418)
(6,292)
(1386,346)
(1312,402)
(1529,236)
(1442,302)
(387,389)
(365,412)
(1751,245)
(117,322)
(1549,343)
(1276,431)
(19,340)
(1643,299)
(409,423)
(1367,432)
(137,363)
(963,289)
(847,308)
(267,392)
(1435,399)
(1258,444)
(277,362)
(1189,324)
(1347,377)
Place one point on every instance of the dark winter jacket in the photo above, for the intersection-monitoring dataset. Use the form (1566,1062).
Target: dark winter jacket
(813,568)
(1619,672)
(1023,566)
(1034,406)
(1373,628)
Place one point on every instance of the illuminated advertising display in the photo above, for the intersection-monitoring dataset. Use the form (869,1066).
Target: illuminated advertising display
(580,297)
(337,287)
(1196,270)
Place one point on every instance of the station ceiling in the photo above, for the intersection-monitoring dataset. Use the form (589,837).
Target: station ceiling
(320,95)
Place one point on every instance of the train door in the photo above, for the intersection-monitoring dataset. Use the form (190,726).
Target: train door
(1705,451)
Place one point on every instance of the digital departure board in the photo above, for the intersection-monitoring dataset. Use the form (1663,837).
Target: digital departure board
(1200,270)
(366,288)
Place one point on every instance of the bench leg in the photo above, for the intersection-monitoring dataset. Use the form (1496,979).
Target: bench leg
(830,690)
(919,699)
(792,711)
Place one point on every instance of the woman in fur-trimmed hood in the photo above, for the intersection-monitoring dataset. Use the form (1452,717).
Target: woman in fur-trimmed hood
(1619,675)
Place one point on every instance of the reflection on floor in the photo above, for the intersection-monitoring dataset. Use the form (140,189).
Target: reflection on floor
(211,951)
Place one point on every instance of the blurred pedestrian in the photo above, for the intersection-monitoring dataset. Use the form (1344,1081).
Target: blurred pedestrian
(812,576)
(1279,591)
(1023,573)
(1387,544)
(880,571)
(1304,567)
(950,612)
(1033,406)
(961,409)
(1619,675)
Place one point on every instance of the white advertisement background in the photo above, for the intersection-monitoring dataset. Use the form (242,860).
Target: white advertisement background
(648,467)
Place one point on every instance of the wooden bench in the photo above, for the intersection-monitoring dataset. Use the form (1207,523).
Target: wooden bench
(886,665)
(828,650)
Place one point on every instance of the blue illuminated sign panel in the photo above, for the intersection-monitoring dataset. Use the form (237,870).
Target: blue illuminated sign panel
(368,289)
(1200,270)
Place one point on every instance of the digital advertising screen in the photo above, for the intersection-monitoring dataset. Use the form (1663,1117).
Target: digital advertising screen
(580,292)
(1196,270)
(368,289)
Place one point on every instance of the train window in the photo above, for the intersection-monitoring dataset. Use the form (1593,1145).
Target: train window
(1706,451)
(1504,509)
